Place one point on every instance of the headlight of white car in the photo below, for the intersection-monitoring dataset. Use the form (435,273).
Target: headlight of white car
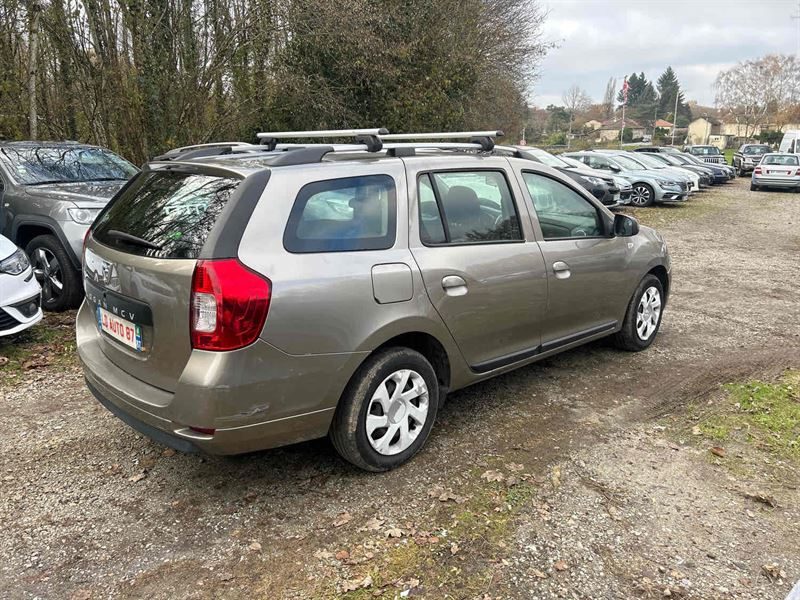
(15,264)
(84,216)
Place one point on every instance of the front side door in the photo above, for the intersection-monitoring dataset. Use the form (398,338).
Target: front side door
(586,267)
(485,279)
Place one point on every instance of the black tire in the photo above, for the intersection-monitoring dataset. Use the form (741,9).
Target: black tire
(349,430)
(61,268)
(753,187)
(643,190)
(628,337)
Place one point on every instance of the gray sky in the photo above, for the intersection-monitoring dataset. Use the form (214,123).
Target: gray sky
(598,39)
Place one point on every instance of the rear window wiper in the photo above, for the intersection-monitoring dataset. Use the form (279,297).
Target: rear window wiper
(132,239)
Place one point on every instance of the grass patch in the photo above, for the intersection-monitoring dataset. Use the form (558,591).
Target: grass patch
(729,155)
(760,413)
(476,530)
(49,343)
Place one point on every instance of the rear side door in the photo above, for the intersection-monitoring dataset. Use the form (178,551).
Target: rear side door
(589,283)
(483,271)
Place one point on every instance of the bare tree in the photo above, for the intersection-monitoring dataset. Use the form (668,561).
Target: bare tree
(575,101)
(756,91)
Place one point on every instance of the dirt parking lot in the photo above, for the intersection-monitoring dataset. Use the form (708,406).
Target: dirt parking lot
(595,474)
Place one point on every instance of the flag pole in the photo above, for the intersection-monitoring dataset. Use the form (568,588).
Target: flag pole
(675,115)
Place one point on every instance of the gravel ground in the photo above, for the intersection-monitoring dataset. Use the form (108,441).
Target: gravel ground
(572,478)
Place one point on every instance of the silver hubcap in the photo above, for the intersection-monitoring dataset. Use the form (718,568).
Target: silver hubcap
(397,412)
(648,313)
(48,273)
(640,195)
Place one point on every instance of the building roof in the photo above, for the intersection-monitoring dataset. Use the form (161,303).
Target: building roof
(663,123)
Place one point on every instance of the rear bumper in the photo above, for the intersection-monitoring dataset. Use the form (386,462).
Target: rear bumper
(254,398)
(785,183)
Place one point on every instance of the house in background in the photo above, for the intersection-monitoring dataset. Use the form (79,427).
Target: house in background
(662,124)
(727,133)
(609,131)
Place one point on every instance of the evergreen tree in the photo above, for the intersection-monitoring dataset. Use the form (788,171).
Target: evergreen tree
(668,87)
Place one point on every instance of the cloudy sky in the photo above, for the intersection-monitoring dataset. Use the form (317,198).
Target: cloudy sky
(598,39)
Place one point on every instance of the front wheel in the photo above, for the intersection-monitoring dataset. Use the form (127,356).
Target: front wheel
(61,283)
(387,411)
(642,195)
(643,317)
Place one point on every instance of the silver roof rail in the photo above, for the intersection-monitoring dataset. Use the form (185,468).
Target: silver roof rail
(329,133)
(450,135)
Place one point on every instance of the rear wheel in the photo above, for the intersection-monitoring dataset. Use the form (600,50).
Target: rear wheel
(753,187)
(387,411)
(643,317)
(642,195)
(61,283)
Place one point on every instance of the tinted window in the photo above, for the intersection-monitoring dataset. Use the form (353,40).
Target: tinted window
(175,211)
(780,160)
(340,215)
(32,165)
(476,206)
(562,212)
(757,150)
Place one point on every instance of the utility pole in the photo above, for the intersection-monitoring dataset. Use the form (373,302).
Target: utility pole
(797,18)
(675,114)
(33,51)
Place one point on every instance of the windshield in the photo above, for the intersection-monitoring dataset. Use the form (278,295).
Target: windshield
(757,150)
(627,163)
(780,159)
(547,158)
(705,150)
(36,165)
(670,160)
(695,160)
(649,161)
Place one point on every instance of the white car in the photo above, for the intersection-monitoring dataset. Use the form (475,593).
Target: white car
(20,292)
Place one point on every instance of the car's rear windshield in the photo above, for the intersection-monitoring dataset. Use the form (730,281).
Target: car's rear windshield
(756,150)
(165,214)
(781,159)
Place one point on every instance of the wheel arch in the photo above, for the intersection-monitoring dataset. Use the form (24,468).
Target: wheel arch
(26,229)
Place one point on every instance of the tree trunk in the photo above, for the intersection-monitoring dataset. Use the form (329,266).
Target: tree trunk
(32,69)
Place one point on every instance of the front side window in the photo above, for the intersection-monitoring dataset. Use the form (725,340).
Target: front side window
(562,212)
(343,215)
(755,150)
(463,207)
(39,165)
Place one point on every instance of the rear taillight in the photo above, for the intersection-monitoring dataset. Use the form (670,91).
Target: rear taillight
(757,171)
(798,173)
(229,305)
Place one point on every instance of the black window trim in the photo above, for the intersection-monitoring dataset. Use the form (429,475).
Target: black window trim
(442,215)
(304,195)
(591,202)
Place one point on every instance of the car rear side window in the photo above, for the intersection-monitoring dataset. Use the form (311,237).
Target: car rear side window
(165,214)
(562,212)
(466,207)
(343,215)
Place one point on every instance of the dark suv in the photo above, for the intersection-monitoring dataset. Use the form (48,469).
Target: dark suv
(747,157)
(50,192)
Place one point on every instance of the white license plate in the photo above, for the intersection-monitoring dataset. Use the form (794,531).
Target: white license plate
(122,330)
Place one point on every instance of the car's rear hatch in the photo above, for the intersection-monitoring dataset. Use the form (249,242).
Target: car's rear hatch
(138,265)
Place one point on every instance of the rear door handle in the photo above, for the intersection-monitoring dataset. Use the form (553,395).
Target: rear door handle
(454,285)
(561,270)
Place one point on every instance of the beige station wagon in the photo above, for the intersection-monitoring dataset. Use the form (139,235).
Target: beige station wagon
(242,297)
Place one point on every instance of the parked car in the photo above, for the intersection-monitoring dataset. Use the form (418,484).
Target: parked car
(706,153)
(51,192)
(790,142)
(747,157)
(623,197)
(20,294)
(719,173)
(649,187)
(260,298)
(777,170)
(601,185)
(691,178)
(705,176)
(657,149)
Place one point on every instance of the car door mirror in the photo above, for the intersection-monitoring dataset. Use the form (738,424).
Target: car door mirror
(625,226)
(614,168)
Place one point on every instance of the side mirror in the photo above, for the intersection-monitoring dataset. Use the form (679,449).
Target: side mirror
(625,226)
(614,168)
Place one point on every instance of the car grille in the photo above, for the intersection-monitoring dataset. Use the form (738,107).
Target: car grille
(7,321)
(718,160)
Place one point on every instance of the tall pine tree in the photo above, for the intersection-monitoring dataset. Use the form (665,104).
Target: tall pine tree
(668,87)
